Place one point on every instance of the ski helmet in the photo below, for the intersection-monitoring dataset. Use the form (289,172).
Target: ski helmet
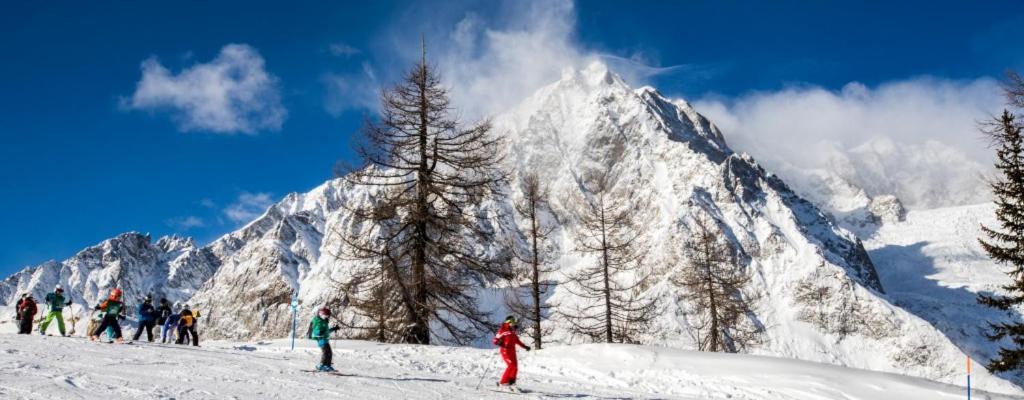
(324,311)
(115,294)
(58,289)
(148,299)
(511,319)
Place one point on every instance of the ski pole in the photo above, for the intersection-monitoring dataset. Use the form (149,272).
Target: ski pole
(486,370)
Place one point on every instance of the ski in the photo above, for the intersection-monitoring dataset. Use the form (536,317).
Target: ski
(509,389)
(335,373)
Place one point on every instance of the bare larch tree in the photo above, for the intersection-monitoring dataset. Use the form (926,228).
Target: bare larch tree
(533,265)
(612,306)
(425,250)
(715,283)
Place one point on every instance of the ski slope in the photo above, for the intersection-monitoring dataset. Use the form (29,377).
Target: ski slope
(45,367)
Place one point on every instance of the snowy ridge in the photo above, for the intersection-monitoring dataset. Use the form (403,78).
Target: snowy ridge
(172,267)
(589,122)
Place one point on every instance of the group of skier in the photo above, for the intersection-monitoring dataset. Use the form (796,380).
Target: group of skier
(178,327)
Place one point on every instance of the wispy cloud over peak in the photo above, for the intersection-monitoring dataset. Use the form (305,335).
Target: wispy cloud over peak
(339,49)
(915,138)
(491,61)
(248,206)
(186,223)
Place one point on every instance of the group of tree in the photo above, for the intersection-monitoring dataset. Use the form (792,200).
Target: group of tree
(418,247)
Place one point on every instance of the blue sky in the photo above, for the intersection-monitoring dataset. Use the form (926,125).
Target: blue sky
(107,124)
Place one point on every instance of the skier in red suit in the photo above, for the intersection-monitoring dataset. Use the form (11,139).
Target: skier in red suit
(507,339)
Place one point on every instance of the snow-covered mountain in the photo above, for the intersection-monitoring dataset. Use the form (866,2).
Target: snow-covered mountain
(173,267)
(821,297)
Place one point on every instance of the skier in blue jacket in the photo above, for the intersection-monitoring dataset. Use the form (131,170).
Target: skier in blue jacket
(169,332)
(147,319)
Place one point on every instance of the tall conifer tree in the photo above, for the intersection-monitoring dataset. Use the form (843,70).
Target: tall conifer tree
(1005,244)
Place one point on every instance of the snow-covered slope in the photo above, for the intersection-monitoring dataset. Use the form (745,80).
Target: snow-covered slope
(48,368)
(821,299)
(933,266)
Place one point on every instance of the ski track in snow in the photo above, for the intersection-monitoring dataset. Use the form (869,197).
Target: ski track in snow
(46,367)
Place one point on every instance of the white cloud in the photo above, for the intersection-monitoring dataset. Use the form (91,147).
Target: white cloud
(186,223)
(915,138)
(342,50)
(352,91)
(493,60)
(493,65)
(490,61)
(232,93)
(248,207)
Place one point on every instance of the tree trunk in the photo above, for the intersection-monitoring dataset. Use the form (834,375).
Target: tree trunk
(607,284)
(536,276)
(420,332)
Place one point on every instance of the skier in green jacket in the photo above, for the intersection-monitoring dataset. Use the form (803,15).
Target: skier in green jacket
(320,331)
(112,308)
(56,303)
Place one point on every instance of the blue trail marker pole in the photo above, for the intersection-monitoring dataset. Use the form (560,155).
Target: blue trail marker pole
(968,377)
(295,308)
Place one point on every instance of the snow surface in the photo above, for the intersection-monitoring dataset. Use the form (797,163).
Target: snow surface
(44,367)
